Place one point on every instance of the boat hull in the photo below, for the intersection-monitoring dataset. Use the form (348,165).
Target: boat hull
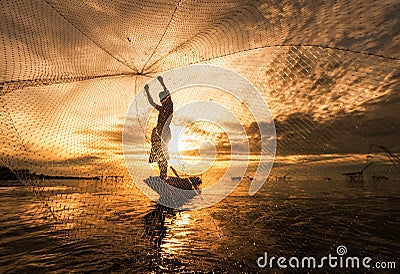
(175,192)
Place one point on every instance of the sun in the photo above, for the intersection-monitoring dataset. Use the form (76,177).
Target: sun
(179,140)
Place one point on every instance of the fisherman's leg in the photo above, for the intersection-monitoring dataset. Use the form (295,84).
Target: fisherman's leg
(155,141)
(165,141)
(163,166)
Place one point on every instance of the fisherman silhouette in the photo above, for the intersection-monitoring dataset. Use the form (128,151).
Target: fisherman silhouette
(161,134)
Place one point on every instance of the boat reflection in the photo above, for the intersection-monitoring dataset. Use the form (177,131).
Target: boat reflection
(154,223)
(167,231)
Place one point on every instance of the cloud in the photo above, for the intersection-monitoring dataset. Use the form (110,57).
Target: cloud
(323,100)
(352,132)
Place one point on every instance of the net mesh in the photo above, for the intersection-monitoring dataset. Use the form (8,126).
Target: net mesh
(69,70)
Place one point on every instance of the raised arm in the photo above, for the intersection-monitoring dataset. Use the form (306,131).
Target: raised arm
(146,88)
(161,80)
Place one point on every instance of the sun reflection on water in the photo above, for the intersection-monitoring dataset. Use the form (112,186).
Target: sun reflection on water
(177,237)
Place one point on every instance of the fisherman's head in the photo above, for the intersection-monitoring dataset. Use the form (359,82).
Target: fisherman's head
(164,95)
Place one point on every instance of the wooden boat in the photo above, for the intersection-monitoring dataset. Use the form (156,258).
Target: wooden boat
(174,191)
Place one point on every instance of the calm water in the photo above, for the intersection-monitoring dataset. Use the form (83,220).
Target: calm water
(117,229)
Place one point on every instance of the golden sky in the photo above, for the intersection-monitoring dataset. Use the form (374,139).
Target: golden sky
(71,71)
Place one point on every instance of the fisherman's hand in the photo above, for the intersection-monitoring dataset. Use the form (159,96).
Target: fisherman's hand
(159,78)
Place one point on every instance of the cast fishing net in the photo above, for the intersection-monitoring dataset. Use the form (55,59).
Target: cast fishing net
(70,70)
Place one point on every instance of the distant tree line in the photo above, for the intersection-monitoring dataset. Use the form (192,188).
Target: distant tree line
(6,174)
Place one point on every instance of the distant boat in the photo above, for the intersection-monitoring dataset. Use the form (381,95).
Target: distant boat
(240,178)
(380,178)
(354,178)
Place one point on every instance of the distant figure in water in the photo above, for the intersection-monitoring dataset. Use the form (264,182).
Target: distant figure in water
(161,134)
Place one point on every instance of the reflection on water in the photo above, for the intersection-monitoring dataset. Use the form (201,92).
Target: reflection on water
(117,229)
(167,234)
